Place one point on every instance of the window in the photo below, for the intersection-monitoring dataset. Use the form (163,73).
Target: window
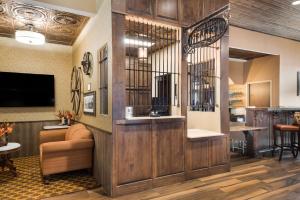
(152,67)
(103,63)
(202,86)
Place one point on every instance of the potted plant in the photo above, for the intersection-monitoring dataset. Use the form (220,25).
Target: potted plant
(5,129)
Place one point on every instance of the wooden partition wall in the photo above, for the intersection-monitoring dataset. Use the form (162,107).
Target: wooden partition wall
(152,152)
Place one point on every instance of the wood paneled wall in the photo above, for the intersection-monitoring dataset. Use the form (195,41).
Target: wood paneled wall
(102,170)
(181,12)
(27,134)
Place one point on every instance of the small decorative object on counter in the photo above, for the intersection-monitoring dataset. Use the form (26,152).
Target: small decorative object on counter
(66,117)
(5,129)
(128,112)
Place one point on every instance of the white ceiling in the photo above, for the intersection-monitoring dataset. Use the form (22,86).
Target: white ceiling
(80,7)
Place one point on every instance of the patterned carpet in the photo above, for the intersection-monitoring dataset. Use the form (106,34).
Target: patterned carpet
(28,184)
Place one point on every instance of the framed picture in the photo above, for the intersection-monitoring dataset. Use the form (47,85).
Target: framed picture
(89,103)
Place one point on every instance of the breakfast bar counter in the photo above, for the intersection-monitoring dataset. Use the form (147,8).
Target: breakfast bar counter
(268,117)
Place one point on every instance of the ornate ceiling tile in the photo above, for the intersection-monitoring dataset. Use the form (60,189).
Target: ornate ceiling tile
(58,27)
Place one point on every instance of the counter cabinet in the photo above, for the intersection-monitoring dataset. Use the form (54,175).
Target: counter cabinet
(207,156)
(148,153)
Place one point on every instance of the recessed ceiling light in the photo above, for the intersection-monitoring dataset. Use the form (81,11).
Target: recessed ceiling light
(295,3)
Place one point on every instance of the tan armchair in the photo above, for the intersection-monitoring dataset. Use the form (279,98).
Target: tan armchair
(66,150)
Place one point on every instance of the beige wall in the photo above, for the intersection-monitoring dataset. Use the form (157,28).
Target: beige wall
(97,33)
(47,59)
(289,59)
(86,7)
(264,69)
(257,70)
(236,72)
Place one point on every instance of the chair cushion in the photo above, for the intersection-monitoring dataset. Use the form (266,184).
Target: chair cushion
(78,131)
(285,127)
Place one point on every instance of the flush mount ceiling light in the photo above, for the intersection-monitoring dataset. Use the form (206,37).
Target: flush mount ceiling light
(295,3)
(29,36)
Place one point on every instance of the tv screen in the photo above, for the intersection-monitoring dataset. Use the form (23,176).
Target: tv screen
(26,90)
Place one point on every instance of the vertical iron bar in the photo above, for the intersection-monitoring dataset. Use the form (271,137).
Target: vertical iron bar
(134,65)
(129,63)
(178,68)
(163,74)
(167,31)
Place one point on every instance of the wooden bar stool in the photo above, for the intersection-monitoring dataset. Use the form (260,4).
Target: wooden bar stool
(287,139)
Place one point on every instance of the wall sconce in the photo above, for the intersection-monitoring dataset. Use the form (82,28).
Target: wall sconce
(142,53)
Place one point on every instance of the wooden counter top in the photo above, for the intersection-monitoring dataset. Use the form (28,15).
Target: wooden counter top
(146,120)
(194,134)
(276,109)
(246,128)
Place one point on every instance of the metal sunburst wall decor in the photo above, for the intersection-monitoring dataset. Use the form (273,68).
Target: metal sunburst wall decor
(87,63)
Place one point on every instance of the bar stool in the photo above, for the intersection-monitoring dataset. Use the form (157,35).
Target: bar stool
(287,139)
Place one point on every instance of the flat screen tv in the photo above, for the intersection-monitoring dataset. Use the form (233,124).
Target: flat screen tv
(26,90)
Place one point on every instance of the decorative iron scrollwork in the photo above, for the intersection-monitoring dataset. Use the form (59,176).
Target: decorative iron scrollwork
(207,32)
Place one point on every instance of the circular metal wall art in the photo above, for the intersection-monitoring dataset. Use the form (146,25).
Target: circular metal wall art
(87,63)
(76,89)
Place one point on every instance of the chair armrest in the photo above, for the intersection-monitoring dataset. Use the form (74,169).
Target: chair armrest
(70,145)
(52,135)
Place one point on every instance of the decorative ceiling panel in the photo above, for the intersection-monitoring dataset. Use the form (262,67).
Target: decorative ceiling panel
(58,27)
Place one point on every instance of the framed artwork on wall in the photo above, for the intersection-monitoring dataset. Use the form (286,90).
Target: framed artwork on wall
(89,103)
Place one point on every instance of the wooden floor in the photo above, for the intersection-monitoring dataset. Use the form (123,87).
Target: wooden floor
(249,179)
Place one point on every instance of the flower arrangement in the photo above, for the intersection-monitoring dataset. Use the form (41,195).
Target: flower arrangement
(5,129)
(65,117)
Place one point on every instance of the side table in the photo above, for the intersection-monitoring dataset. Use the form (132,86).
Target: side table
(5,160)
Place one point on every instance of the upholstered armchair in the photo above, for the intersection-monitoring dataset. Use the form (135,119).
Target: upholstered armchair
(66,150)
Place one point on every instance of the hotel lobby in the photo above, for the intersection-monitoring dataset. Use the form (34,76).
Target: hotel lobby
(149,99)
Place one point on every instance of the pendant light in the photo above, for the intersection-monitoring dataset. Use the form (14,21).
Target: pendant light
(29,36)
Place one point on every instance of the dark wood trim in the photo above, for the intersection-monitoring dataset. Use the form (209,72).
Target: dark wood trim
(207,172)
(118,66)
(132,188)
(224,88)
(167,180)
(184,76)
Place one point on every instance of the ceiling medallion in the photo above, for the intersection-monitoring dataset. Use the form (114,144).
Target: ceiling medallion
(65,19)
(30,13)
(2,8)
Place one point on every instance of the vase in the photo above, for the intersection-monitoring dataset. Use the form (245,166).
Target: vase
(62,121)
(3,140)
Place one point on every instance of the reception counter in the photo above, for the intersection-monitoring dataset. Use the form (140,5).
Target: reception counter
(151,152)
